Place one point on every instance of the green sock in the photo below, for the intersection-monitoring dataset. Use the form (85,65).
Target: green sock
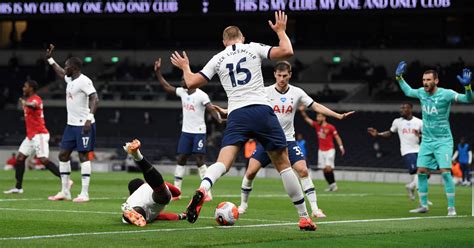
(423,189)
(449,187)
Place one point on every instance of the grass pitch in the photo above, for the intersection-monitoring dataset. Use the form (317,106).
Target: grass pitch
(359,215)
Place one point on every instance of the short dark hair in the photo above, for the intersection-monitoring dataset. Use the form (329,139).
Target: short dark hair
(282,66)
(75,61)
(435,73)
(408,103)
(134,184)
(33,84)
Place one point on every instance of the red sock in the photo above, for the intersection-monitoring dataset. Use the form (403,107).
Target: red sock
(175,192)
(167,216)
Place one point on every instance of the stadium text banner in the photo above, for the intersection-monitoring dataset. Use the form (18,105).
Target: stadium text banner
(209,6)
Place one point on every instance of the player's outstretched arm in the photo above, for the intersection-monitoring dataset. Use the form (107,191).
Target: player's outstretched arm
(465,80)
(407,90)
(374,133)
(166,86)
(192,80)
(305,116)
(319,108)
(214,113)
(58,69)
(284,48)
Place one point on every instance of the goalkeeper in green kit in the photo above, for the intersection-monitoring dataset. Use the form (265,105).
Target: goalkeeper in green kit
(436,147)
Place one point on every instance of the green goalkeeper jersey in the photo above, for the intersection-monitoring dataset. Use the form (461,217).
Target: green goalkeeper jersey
(435,113)
(435,110)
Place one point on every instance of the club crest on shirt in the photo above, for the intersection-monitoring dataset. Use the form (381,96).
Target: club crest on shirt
(283,99)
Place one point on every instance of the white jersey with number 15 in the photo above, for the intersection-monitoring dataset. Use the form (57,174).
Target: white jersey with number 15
(240,73)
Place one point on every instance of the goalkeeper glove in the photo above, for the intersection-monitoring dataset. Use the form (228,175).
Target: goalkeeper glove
(465,80)
(401,68)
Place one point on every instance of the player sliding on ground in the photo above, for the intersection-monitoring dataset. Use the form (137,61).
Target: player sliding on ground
(192,141)
(285,99)
(147,198)
(250,113)
(436,147)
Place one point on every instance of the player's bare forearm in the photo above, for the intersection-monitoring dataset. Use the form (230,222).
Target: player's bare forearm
(338,140)
(214,112)
(166,86)
(93,102)
(407,90)
(59,70)
(306,118)
(319,108)
(385,134)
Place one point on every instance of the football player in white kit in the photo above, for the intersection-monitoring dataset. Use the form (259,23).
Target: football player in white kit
(286,99)
(194,102)
(79,134)
(250,115)
(147,198)
(409,129)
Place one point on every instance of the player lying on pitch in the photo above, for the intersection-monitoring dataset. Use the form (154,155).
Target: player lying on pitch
(147,198)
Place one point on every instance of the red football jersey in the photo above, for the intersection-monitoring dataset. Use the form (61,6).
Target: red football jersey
(326,135)
(34,118)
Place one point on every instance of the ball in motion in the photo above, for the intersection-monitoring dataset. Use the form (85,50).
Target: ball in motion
(226,214)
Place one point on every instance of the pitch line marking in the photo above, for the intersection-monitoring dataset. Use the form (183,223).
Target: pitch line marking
(114,213)
(219,227)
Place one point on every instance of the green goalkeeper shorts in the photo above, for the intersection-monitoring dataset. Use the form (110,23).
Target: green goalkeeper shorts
(434,154)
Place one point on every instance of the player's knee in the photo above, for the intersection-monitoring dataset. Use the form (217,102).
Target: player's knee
(44,160)
(20,157)
(302,172)
(182,159)
(64,156)
(422,170)
(163,197)
(250,175)
(199,160)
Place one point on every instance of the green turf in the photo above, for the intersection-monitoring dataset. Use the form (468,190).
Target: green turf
(269,222)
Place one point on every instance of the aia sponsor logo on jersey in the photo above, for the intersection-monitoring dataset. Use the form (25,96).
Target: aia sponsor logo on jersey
(431,110)
(189,107)
(408,131)
(283,109)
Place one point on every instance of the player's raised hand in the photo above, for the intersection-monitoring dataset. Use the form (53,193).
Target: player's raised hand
(401,69)
(22,101)
(345,115)
(49,51)
(221,110)
(372,131)
(157,65)
(280,22)
(465,79)
(180,61)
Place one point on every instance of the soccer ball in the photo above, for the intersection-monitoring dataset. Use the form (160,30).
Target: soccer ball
(226,214)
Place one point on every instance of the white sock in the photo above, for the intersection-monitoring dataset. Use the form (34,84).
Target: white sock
(86,177)
(247,186)
(202,171)
(178,175)
(310,191)
(293,188)
(137,156)
(415,181)
(214,172)
(65,171)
